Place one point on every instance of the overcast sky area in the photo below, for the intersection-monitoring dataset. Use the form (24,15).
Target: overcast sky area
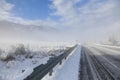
(59,20)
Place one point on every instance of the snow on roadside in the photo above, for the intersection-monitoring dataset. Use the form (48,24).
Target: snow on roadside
(107,50)
(21,67)
(112,52)
(69,70)
(19,70)
(109,46)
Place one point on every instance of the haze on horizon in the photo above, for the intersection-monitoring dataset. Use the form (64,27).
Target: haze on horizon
(58,20)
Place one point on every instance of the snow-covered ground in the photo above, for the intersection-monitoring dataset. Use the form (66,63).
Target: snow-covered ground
(104,48)
(108,46)
(69,70)
(21,67)
(16,70)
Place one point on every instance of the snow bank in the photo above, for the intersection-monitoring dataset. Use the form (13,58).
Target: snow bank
(109,46)
(69,70)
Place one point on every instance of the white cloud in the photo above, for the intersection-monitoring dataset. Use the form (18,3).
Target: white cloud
(4,9)
(92,20)
(95,16)
(90,13)
(6,15)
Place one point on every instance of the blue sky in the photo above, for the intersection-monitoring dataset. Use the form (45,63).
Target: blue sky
(36,9)
(31,9)
(58,20)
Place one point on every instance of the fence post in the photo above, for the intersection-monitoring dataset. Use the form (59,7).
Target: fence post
(60,62)
(50,73)
(65,57)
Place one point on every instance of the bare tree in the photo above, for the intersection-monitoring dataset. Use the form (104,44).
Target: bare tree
(1,52)
(20,50)
(113,40)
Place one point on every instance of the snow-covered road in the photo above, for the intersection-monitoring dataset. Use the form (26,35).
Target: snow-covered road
(69,70)
(100,63)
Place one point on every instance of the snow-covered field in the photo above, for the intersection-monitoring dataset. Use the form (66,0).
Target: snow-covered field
(108,46)
(18,70)
(21,65)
